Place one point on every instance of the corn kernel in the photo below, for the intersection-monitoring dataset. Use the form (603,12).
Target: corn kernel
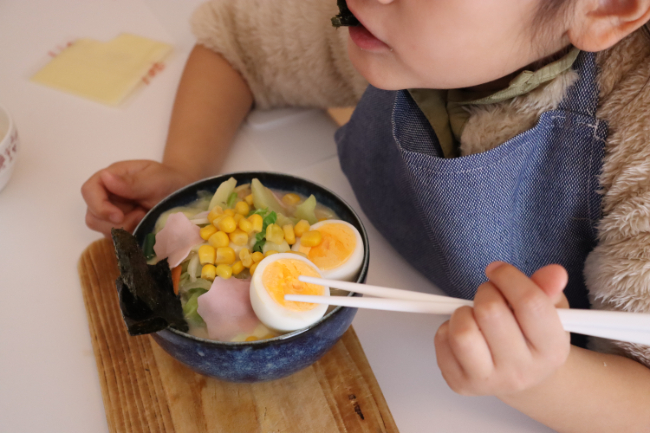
(219,239)
(238,237)
(311,239)
(225,256)
(302,227)
(207,231)
(214,213)
(274,234)
(215,221)
(251,338)
(227,224)
(208,272)
(245,225)
(224,271)
(270,253)
(207,254)
(257,221)
(238,217)
(237,267)
(289,234)
(230,212)
(246,258)
(253,267)
(291,199)
(249,199)
(257,256)
(242,208)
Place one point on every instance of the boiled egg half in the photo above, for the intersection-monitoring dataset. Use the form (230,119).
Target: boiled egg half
(340,254)
(276,276)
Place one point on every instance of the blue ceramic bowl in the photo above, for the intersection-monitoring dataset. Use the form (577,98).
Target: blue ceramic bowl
(261,360)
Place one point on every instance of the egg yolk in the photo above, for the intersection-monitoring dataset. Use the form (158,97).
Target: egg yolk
(281,278)
(336,248)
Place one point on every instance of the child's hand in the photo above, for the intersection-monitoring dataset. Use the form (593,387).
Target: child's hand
(512,338)
(121,194)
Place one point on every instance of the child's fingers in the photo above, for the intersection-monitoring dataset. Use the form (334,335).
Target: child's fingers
(96,197)
(447,362)
(533,309)
(97,224)
(552,279)
(124,186)
(468,345)
(499,326)
(130,221)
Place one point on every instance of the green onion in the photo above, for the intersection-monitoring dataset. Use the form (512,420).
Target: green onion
(149,242)
(232,199)
(260,238)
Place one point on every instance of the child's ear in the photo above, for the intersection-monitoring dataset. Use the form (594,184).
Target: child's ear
(599,24)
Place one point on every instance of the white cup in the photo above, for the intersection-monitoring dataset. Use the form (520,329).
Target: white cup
(9,145)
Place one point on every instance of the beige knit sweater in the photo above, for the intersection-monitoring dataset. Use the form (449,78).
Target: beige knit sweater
(290,55)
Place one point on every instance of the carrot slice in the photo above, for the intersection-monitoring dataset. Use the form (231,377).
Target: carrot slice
(176,278)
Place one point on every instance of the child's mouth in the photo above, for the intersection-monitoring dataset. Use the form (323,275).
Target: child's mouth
(366,40)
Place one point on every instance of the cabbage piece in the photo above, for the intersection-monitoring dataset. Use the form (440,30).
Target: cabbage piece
(263,198)
(284,220)
(193,268)
(305,210)
(281,248)
(190,308)
(189,212)
(220,197)
(186,285)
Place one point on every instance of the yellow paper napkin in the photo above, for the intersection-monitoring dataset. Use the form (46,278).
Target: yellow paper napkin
(106,72)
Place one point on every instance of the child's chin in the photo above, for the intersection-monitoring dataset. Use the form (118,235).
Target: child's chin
(379,69)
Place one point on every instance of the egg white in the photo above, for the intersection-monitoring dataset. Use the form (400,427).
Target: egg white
(274,315)
(349,269)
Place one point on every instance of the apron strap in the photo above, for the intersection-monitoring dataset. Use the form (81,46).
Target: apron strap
(582,96)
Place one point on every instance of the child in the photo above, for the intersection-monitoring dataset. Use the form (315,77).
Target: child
(537,155)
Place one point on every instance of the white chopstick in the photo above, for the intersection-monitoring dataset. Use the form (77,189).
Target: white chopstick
(615,325)
(384,292)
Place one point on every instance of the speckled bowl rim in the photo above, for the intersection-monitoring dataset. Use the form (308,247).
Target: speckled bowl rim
(6,139)
(290,335)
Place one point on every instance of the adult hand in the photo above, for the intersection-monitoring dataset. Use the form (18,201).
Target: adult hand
(121,194)
(512,339)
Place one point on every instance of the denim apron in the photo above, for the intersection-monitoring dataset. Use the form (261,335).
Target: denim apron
(531,201)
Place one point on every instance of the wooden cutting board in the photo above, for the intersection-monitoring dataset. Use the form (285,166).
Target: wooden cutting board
(146,390)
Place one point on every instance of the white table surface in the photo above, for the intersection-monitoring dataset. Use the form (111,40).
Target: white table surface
(48,377)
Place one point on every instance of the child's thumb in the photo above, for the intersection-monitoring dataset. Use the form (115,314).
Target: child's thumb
(552,279)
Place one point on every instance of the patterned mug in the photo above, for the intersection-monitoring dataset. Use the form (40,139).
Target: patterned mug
(9,145)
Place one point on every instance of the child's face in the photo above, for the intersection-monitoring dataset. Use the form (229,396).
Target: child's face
(445,44)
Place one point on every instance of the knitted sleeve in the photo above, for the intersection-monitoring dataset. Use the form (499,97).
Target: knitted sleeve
(286,50)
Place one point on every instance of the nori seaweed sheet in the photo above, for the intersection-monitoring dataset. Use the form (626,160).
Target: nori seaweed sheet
(345,18)
(146,292)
